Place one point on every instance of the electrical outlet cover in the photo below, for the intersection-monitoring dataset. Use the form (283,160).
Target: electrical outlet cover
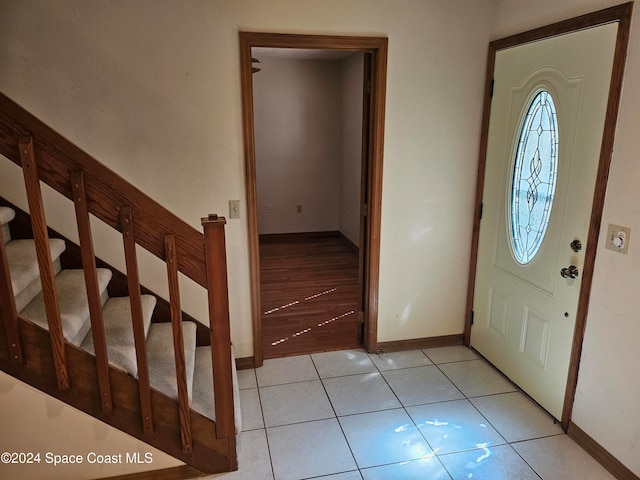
(619,235)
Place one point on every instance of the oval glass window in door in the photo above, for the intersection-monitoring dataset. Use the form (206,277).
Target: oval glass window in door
(534,177)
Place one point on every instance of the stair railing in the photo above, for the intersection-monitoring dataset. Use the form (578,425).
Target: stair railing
(45,156)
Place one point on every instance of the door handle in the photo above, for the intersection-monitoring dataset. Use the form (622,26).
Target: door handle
(569,272)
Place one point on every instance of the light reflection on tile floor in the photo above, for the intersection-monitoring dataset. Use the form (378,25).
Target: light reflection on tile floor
(437,414)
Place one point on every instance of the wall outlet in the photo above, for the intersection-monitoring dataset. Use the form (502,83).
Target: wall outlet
(234,209)
(269,208)
(299,208)
(618,238)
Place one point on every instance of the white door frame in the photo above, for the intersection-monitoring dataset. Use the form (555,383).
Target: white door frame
(622,15)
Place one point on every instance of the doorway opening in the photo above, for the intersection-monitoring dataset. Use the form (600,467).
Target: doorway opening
(284,239)
(620,15)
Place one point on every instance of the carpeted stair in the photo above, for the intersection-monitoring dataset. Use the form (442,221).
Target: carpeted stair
(76,324)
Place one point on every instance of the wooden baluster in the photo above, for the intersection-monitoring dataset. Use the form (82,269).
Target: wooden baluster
(8,306)
(178,341)
(93,289)
(133,281)
(218,293)
(45,263)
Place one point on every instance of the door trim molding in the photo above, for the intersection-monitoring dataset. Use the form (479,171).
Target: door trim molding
(378,47)
(622,15)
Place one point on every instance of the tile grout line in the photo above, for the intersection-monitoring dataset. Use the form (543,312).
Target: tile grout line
(403,407)
(264,426)
(509,444)
(344,435)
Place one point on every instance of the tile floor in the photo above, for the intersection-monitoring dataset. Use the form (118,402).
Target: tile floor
(436,414)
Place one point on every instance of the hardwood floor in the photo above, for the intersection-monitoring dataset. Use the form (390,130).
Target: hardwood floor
(309,294)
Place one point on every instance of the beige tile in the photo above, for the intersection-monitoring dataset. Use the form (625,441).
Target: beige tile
(421,385)
(253,459)
(278,371)
(353,475)
(247,378)
(344,362)
(516,417)
(382,438)
(560,458)
(426,468)
(493,463)
(457,353)
(310,449)
(295,403)
(250,409)
(454,427)
(476,377)
(397,360)
(360,394)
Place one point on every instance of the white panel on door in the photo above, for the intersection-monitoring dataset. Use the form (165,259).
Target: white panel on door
(535,336)
(499,312)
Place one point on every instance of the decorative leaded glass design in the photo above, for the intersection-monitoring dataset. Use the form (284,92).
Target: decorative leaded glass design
(534,177)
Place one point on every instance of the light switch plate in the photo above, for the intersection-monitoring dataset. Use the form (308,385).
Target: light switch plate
(234,209)
(618,238)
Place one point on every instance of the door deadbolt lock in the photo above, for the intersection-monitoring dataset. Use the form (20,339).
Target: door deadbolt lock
(569,272)
(576,246)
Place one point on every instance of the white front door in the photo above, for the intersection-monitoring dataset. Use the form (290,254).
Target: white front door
(545,132)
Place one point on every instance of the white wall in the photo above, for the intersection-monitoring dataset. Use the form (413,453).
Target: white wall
(297,108)
(608,392)
(308,136)
(152,89)
(351,147)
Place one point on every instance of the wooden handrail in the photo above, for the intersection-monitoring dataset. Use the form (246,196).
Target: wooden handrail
(93,289)
(45,263)
(106,191)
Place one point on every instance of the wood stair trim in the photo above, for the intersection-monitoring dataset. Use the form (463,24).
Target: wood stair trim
(220,329)
(30,170)
(76,284)
(137,318)
(209,454)
(171,256)
(106,191)
(47,157)
(93,289)
(118,286)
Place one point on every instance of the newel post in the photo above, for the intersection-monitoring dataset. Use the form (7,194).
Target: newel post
(218,293)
